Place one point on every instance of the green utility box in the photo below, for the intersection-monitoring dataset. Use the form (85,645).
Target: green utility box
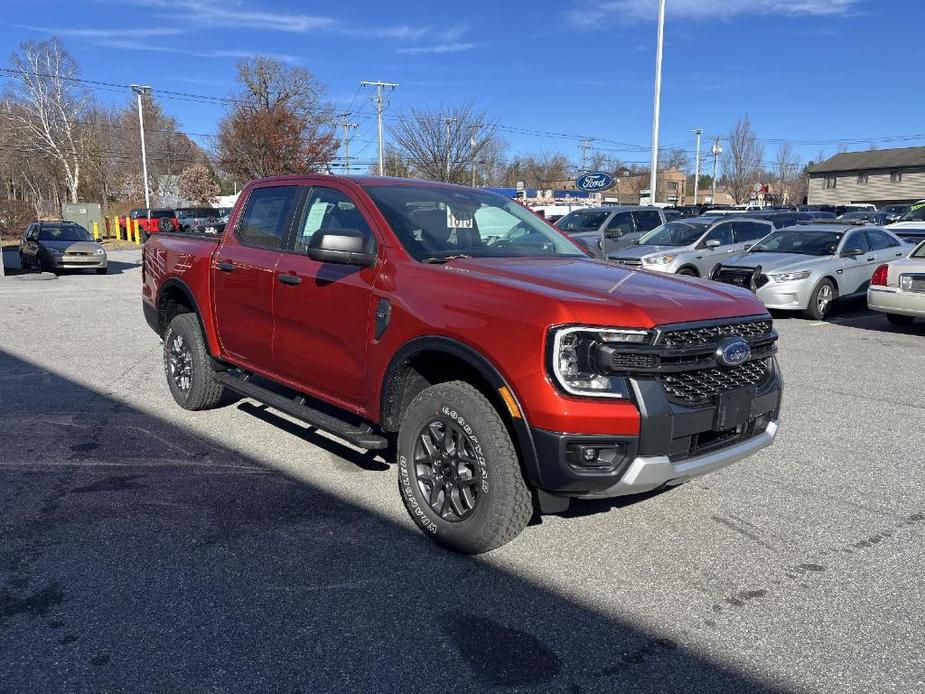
(84,213)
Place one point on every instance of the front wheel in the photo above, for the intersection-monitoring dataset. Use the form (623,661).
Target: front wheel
(688,272)
(188,367)
(821,300)
(458,472)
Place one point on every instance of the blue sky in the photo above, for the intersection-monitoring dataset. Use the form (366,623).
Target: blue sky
(806,70)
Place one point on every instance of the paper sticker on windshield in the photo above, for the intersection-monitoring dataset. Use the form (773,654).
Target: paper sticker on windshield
(460,222)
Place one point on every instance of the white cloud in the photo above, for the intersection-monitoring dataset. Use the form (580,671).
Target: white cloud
(94,33)
(595,12)
(155,48)
(437,48)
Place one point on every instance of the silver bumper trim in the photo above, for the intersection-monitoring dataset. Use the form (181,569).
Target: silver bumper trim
(647,473)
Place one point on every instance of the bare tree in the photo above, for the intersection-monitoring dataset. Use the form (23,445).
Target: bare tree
(442,144)
(197,183)
(540,170)
(49,106)
(269,84)
(675,158)
(786,171)
(742,159)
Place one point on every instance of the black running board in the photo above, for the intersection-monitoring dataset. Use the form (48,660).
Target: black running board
(360,436)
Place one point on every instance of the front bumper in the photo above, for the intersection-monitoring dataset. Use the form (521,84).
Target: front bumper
(64,262)
(675,443)
(890,300)
(787,296)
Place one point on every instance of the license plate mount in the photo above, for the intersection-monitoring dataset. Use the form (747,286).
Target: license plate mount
(735,407)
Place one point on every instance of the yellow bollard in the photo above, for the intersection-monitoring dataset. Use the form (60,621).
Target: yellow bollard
(96,231)
(137,234)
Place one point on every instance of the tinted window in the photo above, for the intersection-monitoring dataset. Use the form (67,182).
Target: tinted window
(721,233)
(857,239)
(674,234)
(266,216)
(880,240)
(799,241)
(621,223)
(160,214)
(329,209)
(750,231)
(582,220)
(647,220)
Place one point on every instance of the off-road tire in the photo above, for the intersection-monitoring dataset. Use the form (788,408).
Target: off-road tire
(504,503)
(813,311)
(204,392)
(898,319)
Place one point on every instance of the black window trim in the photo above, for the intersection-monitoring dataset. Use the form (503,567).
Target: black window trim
(287,231)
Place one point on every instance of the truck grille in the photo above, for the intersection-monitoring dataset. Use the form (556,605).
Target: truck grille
(632,262)
(696,337)
(701,386)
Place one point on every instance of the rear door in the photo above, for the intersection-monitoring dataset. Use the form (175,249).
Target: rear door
(747,232)
(884,247)
(243,272)
(620,232)
(323,310)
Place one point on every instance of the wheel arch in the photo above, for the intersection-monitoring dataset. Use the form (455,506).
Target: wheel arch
(175,297)
(688,266)
(424,361)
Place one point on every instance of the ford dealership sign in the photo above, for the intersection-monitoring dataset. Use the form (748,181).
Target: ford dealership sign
(594,182)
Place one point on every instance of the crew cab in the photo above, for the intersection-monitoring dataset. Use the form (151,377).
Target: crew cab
(506,370)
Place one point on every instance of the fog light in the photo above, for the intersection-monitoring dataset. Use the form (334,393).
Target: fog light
(595,457)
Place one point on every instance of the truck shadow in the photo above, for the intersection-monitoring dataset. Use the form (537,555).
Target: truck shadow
(139,555)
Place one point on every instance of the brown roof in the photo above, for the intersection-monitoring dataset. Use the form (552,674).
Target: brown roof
(900,158)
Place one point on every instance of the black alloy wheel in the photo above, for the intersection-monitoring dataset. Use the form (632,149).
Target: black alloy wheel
(447,469)
(180,363)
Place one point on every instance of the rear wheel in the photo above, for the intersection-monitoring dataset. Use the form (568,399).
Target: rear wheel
(188,367)
(458,472)
(821,300)
(897,319)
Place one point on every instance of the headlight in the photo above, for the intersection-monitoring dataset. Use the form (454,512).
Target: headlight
(100,251)
(658,259)
(54,251)
(573,363)
(791,276)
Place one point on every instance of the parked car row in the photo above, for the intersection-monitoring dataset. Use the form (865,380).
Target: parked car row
(188,219)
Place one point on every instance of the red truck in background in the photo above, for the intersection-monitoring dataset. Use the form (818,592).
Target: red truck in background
(150,220)
(508,371)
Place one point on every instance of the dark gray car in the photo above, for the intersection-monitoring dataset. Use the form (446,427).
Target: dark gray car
(55,246)
(603,230)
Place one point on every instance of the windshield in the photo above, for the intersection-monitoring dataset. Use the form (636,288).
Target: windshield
(582,220)
(71,232)
(802,242)
(434,223)
(918,252)
(674,234)
(916,213)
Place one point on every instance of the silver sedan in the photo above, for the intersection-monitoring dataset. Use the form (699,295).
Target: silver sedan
(898,289)
(808,267)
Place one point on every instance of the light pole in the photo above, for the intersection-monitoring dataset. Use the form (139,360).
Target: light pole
(653,176)
(142,90)
(379,85)
(717,150)
(698,132)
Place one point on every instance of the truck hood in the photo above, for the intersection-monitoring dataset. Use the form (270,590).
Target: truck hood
(601,293)
(775,262)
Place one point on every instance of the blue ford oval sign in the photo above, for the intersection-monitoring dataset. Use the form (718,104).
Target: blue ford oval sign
(733,351)
(594,182)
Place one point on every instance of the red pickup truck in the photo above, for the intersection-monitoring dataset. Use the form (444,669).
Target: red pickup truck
(506,369)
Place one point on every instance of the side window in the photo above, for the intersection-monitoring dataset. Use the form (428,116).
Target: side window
(647,220)
(30,230)
(750,231)
(266,216)
(722,233)
(328,208)
(857,239)
(879,240)
(621,223)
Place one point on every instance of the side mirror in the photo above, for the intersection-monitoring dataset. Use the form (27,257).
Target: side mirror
(852,253)
(344,246)
(711,243)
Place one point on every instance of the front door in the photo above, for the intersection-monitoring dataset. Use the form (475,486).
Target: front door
(856,269)
(707,257)
(243,271)
(323,310)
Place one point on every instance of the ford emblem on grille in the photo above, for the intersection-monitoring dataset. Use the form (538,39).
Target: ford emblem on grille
(733,351)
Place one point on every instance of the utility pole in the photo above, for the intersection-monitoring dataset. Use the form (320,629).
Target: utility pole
(717,150)
(698,132)
(449,121)
(379,86)
(585,146)
(653,175)
(142,90)
(346,125)
(472,143)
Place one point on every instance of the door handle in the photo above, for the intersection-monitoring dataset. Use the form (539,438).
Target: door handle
(871,259)
(225,266)
(289,279)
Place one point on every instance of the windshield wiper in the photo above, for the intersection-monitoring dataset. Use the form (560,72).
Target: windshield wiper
(445,258)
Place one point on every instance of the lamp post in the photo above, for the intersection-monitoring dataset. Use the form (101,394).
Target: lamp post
(653,176)
(698,132)
(142,90)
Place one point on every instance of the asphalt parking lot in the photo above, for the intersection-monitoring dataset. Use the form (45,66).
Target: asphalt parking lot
(148,549)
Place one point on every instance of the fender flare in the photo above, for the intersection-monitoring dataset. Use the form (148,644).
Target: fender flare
(482,365)
(181,286)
